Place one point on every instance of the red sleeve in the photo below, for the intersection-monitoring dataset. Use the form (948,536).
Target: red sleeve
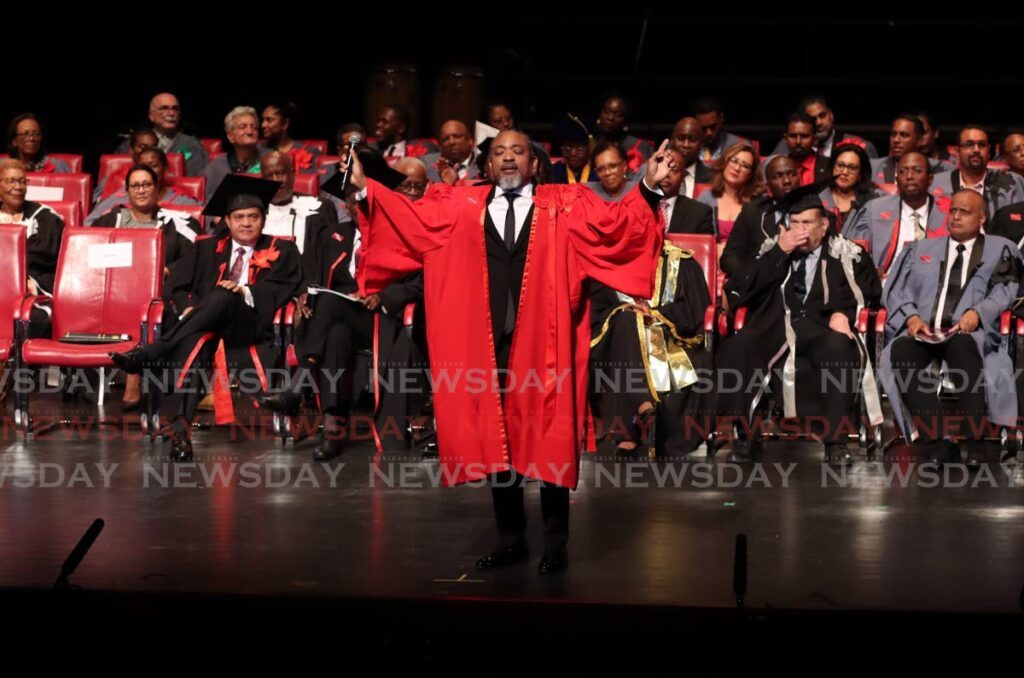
(396,233)
(616,243)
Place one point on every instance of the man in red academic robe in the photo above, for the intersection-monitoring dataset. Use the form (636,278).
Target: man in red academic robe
(505,286)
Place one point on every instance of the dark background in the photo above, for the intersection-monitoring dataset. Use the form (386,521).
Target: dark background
(963,68)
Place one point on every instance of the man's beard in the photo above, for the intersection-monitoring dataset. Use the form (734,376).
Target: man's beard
(510,182)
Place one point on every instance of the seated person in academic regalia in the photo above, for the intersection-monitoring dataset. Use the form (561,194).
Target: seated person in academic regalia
(334,329)
(849,186)
(906,136)
(42,240)
(138,141)
(392,140)
(143,211)
(275,128)
(456,161)
(799,139)
(803,294)
(998,188)
(711,116)
(165,117)
(1008,223)
(241,125)
(960,285)
(614,180)
(760,218)
(826,136)
(170,198)
(289,214)
(25,143)
(661,339)
(612,126)
(221,300)
(573,140)
(890,222)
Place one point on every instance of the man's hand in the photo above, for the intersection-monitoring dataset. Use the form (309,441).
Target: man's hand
(231,286)
(789,239)
(31,287)
(447,172)
(916,326)
(969,321)
(302,303)
(838,322)
(660,164)
(372,301)
(643,307)
(356,176)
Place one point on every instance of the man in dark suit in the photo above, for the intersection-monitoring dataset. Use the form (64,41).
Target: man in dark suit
(688,141)
(826,136)
(456,161)
(799,137)
(1009,223)
(222,295)
(760,218)
(682,214)
(803,294)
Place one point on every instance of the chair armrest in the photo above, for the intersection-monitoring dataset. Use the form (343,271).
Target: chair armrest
(408,314)
(863,321)
(741,318)
(1005,322)
(880,319)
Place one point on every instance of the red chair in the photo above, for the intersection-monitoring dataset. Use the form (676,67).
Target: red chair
(307,184)
(12,287)
(111,164)
(194,187)
(997,165)
(90,304)
(318,144)
(74,162)
(889,189)
(212,146)
(192,210)
(326,162)
(69,211)
(77,187)
(705,253)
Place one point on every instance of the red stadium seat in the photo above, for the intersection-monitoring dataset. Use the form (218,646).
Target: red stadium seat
(318,144)
(191,186)
(74,162)
(69,210)
(12,286)
(998,165)
(192,210)
(705,253)
(212,146)
(90,302)
(307,184)
(77,187)
(115,163)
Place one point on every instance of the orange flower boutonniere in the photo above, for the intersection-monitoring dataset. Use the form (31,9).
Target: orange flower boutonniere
(261,259)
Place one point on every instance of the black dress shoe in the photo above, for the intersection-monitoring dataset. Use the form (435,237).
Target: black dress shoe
(838,454)
(507,555)
(744,450)
(943,452)
(282,403)
(181,448)
(130,362)
(554,562)
(976,454)
(326,449)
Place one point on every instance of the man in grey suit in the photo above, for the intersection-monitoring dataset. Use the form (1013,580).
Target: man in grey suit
(998,188)
(457,159)
(960,284)
(889,222)
(711,118)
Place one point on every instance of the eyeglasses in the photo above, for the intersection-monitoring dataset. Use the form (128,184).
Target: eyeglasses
(31,134)
(141,186)
(845,167)
(905,171)
(736,162)
(608,169)
(413,186)
(14,182)
(974,144)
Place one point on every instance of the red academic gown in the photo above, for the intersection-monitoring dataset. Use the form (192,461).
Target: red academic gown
(541,428)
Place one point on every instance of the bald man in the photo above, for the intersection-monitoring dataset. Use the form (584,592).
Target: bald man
(456,162)
(1013,153)
(416,183)
(165,117)
(959,283)
(688,140)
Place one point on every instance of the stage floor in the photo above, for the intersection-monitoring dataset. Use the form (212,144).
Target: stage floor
(255,517)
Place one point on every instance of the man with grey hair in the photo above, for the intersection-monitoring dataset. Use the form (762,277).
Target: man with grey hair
(242,127)
(165,117)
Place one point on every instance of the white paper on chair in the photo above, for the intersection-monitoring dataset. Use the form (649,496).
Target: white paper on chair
(110,255)
(44,193)
(938,336)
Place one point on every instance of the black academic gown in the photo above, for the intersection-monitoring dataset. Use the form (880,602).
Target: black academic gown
(685,415)
(42,244)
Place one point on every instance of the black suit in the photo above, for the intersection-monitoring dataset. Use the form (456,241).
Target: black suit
(1008,222)
(757,222)
(690,216)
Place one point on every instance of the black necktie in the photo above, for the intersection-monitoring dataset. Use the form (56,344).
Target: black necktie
(953,288)
(800,278)
(510,243)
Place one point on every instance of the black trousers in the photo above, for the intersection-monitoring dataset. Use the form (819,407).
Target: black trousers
(221,312)
(330,340)
(508,498)
(911,360)
(619,365)
(829,387)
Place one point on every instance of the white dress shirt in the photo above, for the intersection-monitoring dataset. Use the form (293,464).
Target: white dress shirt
(395,150)
(907,213)
(950,258)
(689,181)
(978,188)
(498,207)
(283,220)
